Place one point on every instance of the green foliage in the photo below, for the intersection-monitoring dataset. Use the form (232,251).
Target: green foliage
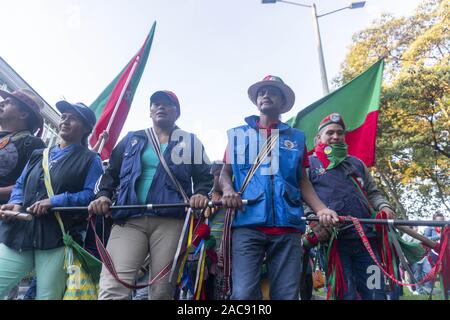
(413,148)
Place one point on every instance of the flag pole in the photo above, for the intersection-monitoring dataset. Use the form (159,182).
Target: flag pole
(119,101)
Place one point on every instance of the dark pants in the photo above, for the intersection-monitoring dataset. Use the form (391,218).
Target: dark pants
(364,278)
(283,255)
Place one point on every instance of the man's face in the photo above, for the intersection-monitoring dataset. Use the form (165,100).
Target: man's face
(439,218)
(71,127)
(10,110)
(270,100)
(163,112)
(332,134)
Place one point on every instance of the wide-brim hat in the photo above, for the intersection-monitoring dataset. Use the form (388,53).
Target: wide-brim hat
(277,82)
(86,114)
(33,103)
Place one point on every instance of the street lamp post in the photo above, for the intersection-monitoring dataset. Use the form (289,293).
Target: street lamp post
(323,71)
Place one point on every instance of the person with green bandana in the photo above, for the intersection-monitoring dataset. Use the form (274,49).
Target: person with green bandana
(340,181)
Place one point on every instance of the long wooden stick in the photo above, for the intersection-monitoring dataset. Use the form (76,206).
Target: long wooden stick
(17,215)
(418,236)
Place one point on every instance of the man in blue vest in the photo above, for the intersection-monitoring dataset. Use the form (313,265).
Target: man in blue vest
(271,228)
(341,181)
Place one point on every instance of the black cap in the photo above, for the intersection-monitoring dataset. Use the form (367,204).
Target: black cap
(85,113)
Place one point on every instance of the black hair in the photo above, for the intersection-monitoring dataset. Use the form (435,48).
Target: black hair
(84,140)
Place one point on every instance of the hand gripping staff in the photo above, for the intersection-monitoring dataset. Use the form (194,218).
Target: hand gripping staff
(105,258)
(442,265)
(265,151)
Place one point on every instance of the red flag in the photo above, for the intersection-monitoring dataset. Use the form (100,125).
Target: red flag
(105,104)
(358,102)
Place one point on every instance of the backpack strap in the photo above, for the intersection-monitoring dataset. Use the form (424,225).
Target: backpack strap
(229,215)
(263,153)
(153,139)
(48,185)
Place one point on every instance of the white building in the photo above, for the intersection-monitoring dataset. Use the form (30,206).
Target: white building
(10,81)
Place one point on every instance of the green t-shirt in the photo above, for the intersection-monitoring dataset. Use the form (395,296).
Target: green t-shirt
(149,162)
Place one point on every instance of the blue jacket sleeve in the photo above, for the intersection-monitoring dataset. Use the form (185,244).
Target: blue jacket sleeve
(84,197)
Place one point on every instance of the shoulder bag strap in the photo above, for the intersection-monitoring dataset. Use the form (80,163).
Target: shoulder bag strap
(153,139)
(48,185)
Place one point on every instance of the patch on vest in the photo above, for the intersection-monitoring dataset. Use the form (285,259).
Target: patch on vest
(290,145)
(8,159)
(4,143)
(319,171)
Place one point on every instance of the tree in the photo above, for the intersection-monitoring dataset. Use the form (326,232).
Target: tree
(413,149)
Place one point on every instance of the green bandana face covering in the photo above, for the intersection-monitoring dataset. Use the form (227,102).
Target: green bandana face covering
(339,153)
(331,155)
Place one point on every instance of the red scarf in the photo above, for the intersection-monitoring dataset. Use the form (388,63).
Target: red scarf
(320,153)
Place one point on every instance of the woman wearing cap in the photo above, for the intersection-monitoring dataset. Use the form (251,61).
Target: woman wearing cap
(38,244)
(136,171)
(20,118)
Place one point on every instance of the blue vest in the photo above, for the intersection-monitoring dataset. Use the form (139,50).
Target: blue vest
(276,188)
(338,192)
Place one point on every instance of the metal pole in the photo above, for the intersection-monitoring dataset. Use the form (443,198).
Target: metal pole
(150,206)
(119,101)
(399,222)
(323,71)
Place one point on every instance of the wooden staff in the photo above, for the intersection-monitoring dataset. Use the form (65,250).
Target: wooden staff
(17,215)
(418,236)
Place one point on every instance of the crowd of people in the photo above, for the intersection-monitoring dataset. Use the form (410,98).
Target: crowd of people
(266,183)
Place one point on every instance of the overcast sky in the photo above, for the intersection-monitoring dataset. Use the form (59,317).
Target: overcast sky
(207,51)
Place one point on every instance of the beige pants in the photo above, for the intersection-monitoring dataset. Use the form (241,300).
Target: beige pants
(128,247)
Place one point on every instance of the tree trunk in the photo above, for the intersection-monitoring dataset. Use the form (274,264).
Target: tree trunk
(393,195)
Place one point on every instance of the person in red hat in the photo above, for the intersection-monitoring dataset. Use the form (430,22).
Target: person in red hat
(271,227)
(158,165)
(345,185)
(20,119)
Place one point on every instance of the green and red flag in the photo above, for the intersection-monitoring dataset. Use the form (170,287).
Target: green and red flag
(105,104)
(358,103)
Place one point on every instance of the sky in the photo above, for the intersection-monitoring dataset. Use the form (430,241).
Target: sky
(207,51)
